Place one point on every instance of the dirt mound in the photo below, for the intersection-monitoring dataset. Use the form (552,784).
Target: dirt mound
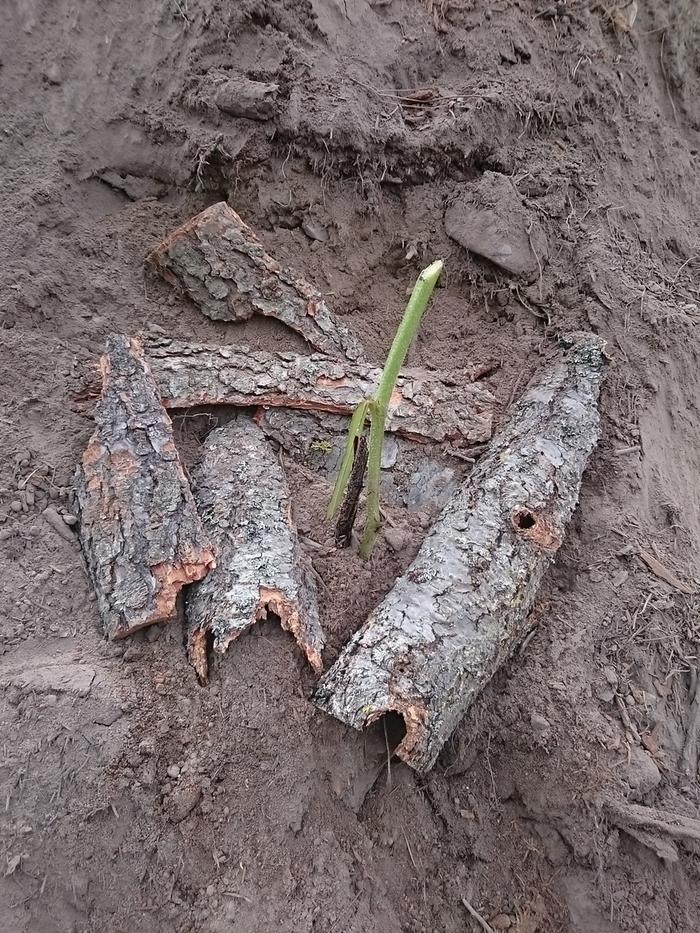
(359,140)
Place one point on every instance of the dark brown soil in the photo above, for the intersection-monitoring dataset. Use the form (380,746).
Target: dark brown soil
(133,799)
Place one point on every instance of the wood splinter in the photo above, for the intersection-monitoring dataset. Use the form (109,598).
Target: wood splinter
(139,528)
(223,267)
(242,495)
(462,607)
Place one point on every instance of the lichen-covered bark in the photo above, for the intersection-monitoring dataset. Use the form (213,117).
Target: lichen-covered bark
(223,267)
(462,606)
(139,528)
(242,495)
(424,406)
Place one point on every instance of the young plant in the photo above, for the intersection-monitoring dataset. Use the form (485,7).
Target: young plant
(375,410)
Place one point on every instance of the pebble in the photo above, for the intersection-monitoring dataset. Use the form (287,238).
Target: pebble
(29,497)
(132,653)
(610,675)
(539,723)
(6,533)
(16,505)
(173,771)
(70,519)
(501,922)
(396,538)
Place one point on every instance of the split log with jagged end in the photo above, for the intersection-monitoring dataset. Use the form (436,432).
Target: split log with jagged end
(139,528)
(242,495)
(462,607)
(425,405)
(223,267)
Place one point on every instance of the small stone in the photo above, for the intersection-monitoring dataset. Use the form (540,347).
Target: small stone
(53,74)
(132,653)
(70,519)
(16,505)
(183,800)
(210,890)
(6,533)
(314,230)
(501,922)
(610,675)
(396,538)
(173,771)
(641,773)
(29,497)
(539,724)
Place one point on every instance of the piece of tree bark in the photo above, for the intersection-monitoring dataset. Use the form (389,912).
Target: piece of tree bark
(139,528)
(462,607)
(223,267)
(421,477)
(348,508)
(242,495)
(425,405)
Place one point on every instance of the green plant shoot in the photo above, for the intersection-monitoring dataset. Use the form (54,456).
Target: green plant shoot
(375,409)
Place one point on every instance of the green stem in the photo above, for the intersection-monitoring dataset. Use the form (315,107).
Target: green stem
(379,408)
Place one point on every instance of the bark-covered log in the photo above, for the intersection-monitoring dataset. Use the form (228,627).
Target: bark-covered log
(462,607)
(139,527)
(424,406)
(223,267)
(243,498)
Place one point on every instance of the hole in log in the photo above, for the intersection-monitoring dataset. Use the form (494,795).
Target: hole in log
(524,519)
(538,529)
(389,730)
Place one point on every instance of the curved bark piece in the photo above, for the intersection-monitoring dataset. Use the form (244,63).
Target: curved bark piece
(462,607)
(424,406)
(244,501)
(223,267)
(139,528)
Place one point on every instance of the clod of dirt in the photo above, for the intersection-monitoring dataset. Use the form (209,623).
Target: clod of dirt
(641,773)
(241,97)
(182,801)
(488,219)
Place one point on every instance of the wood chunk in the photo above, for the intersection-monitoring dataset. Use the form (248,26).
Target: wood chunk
(242,494)
(223,267)
(461,609)
(139,529)
(425,406)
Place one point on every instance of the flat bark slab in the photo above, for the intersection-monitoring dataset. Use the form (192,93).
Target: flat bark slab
(424,406)
(244,501)
(462,607)
(220,263)
(139,528)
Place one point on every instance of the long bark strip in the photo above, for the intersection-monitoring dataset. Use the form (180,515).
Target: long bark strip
(139,528)
(424,406)
(462,607)
(242,495)
(223,267)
